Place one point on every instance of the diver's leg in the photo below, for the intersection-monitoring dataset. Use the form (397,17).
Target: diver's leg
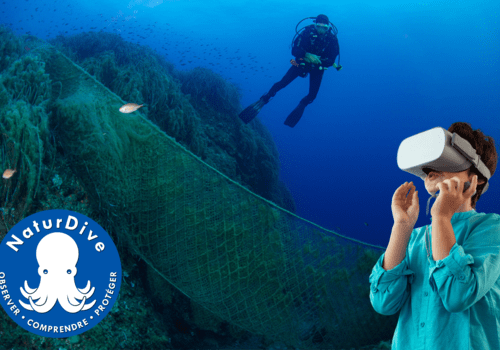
(315,78)
(314,83)
(290,76)
(249,113)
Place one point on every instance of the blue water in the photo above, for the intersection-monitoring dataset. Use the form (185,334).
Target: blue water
(408,66)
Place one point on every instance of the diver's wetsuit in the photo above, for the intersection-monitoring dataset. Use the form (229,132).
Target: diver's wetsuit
(325,46)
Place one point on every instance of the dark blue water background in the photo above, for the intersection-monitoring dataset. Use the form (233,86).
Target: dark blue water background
(408,66)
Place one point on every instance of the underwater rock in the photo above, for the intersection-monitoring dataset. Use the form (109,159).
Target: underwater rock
(10,47)
(198,108)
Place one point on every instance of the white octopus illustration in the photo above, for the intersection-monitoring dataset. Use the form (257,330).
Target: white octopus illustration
(57,255)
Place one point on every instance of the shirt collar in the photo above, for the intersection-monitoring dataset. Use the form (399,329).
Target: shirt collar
(463,215)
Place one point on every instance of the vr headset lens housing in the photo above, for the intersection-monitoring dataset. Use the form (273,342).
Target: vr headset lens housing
(440,150)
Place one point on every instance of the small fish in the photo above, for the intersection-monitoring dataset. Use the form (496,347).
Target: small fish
(7,174)
(130,107)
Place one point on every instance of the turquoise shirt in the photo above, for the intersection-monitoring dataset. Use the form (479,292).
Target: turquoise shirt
(453,303)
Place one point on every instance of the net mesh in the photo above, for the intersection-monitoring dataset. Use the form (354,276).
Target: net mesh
(239,256)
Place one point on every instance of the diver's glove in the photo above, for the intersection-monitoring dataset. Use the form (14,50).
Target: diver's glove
(312,58)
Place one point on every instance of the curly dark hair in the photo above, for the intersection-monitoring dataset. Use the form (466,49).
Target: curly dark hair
(484,146)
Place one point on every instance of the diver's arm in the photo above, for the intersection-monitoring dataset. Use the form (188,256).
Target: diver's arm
(312,58)
(298,50)
(331,54)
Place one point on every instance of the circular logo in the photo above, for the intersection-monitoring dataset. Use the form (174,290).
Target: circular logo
(60,273)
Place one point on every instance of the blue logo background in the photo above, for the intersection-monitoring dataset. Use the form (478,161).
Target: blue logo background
(92,266)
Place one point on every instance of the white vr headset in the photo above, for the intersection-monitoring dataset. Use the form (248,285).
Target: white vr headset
(438,149)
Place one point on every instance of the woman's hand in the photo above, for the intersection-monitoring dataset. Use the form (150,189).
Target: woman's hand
(452,196)
(405,209)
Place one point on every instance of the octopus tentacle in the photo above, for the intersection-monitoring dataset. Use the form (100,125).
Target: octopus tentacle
(88,306)
(89,294)
(71,308)
(86,289)
(38,293)
(28,289)
(73,301)
(44,307)
(26,306)
(78,294)
(34,293)
(26,295)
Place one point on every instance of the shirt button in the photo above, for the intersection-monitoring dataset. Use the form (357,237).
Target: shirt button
(461,277)
(426,293)
(422,324)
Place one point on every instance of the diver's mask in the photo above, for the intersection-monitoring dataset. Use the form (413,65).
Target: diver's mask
(322,27)
(440,150)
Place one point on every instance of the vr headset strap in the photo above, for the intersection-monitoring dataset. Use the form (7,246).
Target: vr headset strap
(465,148)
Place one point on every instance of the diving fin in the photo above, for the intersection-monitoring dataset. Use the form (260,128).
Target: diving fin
(295,116)
(251,111)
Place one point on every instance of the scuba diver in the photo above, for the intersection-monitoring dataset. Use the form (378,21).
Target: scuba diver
(315,48)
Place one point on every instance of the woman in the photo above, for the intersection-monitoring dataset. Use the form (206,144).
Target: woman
(444,277)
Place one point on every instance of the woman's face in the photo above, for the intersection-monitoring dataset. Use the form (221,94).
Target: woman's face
(434,177)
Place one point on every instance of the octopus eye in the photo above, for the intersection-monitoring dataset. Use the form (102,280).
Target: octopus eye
(69,272)
(45,271)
